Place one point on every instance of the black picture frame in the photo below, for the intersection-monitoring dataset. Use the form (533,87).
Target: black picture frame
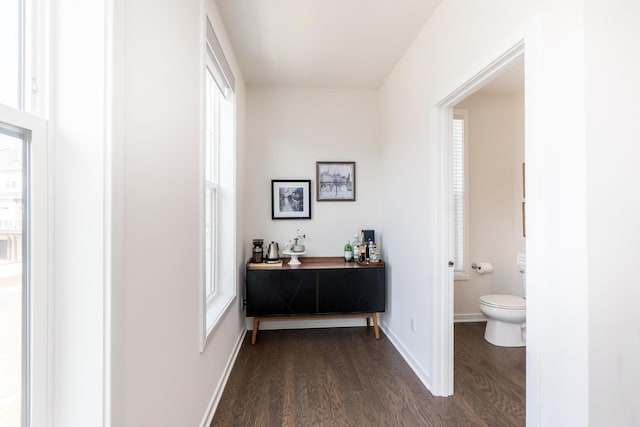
(291,199)
(336,181)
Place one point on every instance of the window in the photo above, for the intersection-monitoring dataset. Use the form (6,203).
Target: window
(459,195)
(14,295)
(23,223)
(219,287)
(23,270)
(212,158)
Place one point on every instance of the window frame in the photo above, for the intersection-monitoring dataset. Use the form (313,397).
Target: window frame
(215,304)
(31,115)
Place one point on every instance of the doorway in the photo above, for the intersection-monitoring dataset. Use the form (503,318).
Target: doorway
(488,193)
(444,273)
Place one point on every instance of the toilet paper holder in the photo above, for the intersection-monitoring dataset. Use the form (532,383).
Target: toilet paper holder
(482,268)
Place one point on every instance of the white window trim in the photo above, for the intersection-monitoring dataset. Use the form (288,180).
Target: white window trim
(464,273)
(214,308)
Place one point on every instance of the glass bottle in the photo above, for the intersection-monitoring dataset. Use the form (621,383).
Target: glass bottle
(374,253)
(356,248)
(348,252)
(367,251)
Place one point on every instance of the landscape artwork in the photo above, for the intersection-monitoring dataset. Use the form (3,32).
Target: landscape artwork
(336,181)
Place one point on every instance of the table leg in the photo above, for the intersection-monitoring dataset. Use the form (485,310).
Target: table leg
(368,322)
(376,331)
(254,333)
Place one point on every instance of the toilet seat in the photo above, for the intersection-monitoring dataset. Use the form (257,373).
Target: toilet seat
(509,302)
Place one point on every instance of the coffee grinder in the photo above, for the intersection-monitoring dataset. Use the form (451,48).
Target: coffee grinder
(258,252)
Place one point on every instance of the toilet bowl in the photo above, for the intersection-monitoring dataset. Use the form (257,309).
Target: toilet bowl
(506,319)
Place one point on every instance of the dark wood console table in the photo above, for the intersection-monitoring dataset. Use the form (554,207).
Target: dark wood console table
(320,286)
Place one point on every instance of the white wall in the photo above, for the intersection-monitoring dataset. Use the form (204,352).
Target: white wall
(125,129)
(289,129)
(557,297)
(557,268)
(165,380)
(426,74)
(612,62)
(495,156)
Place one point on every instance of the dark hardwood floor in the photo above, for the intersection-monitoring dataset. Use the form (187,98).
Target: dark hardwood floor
(344,377)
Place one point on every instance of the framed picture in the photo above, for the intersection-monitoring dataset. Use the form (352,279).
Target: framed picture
(336,181)
(290,199)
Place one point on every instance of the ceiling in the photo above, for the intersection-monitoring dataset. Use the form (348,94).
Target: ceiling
(322,43)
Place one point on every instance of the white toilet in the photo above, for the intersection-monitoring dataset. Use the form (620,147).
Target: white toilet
(506,319)
(506,315)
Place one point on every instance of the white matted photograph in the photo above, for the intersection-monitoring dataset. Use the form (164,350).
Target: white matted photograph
(290,199)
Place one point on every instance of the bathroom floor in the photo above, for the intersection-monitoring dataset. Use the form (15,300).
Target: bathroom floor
(490,379)
(343,376)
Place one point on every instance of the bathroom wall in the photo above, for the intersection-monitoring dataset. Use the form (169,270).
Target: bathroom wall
(495,157)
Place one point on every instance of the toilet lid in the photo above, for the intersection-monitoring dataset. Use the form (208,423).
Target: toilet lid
(504,301)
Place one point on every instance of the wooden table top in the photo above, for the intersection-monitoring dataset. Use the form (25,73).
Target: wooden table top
(315,263)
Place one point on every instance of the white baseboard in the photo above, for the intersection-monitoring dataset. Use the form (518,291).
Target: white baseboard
(267,325)
(417,368)
(469,317)
(217,393)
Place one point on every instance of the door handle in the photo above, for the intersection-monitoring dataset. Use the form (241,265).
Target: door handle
(451,264)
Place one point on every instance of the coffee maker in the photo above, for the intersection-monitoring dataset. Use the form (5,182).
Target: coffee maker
(257,253)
